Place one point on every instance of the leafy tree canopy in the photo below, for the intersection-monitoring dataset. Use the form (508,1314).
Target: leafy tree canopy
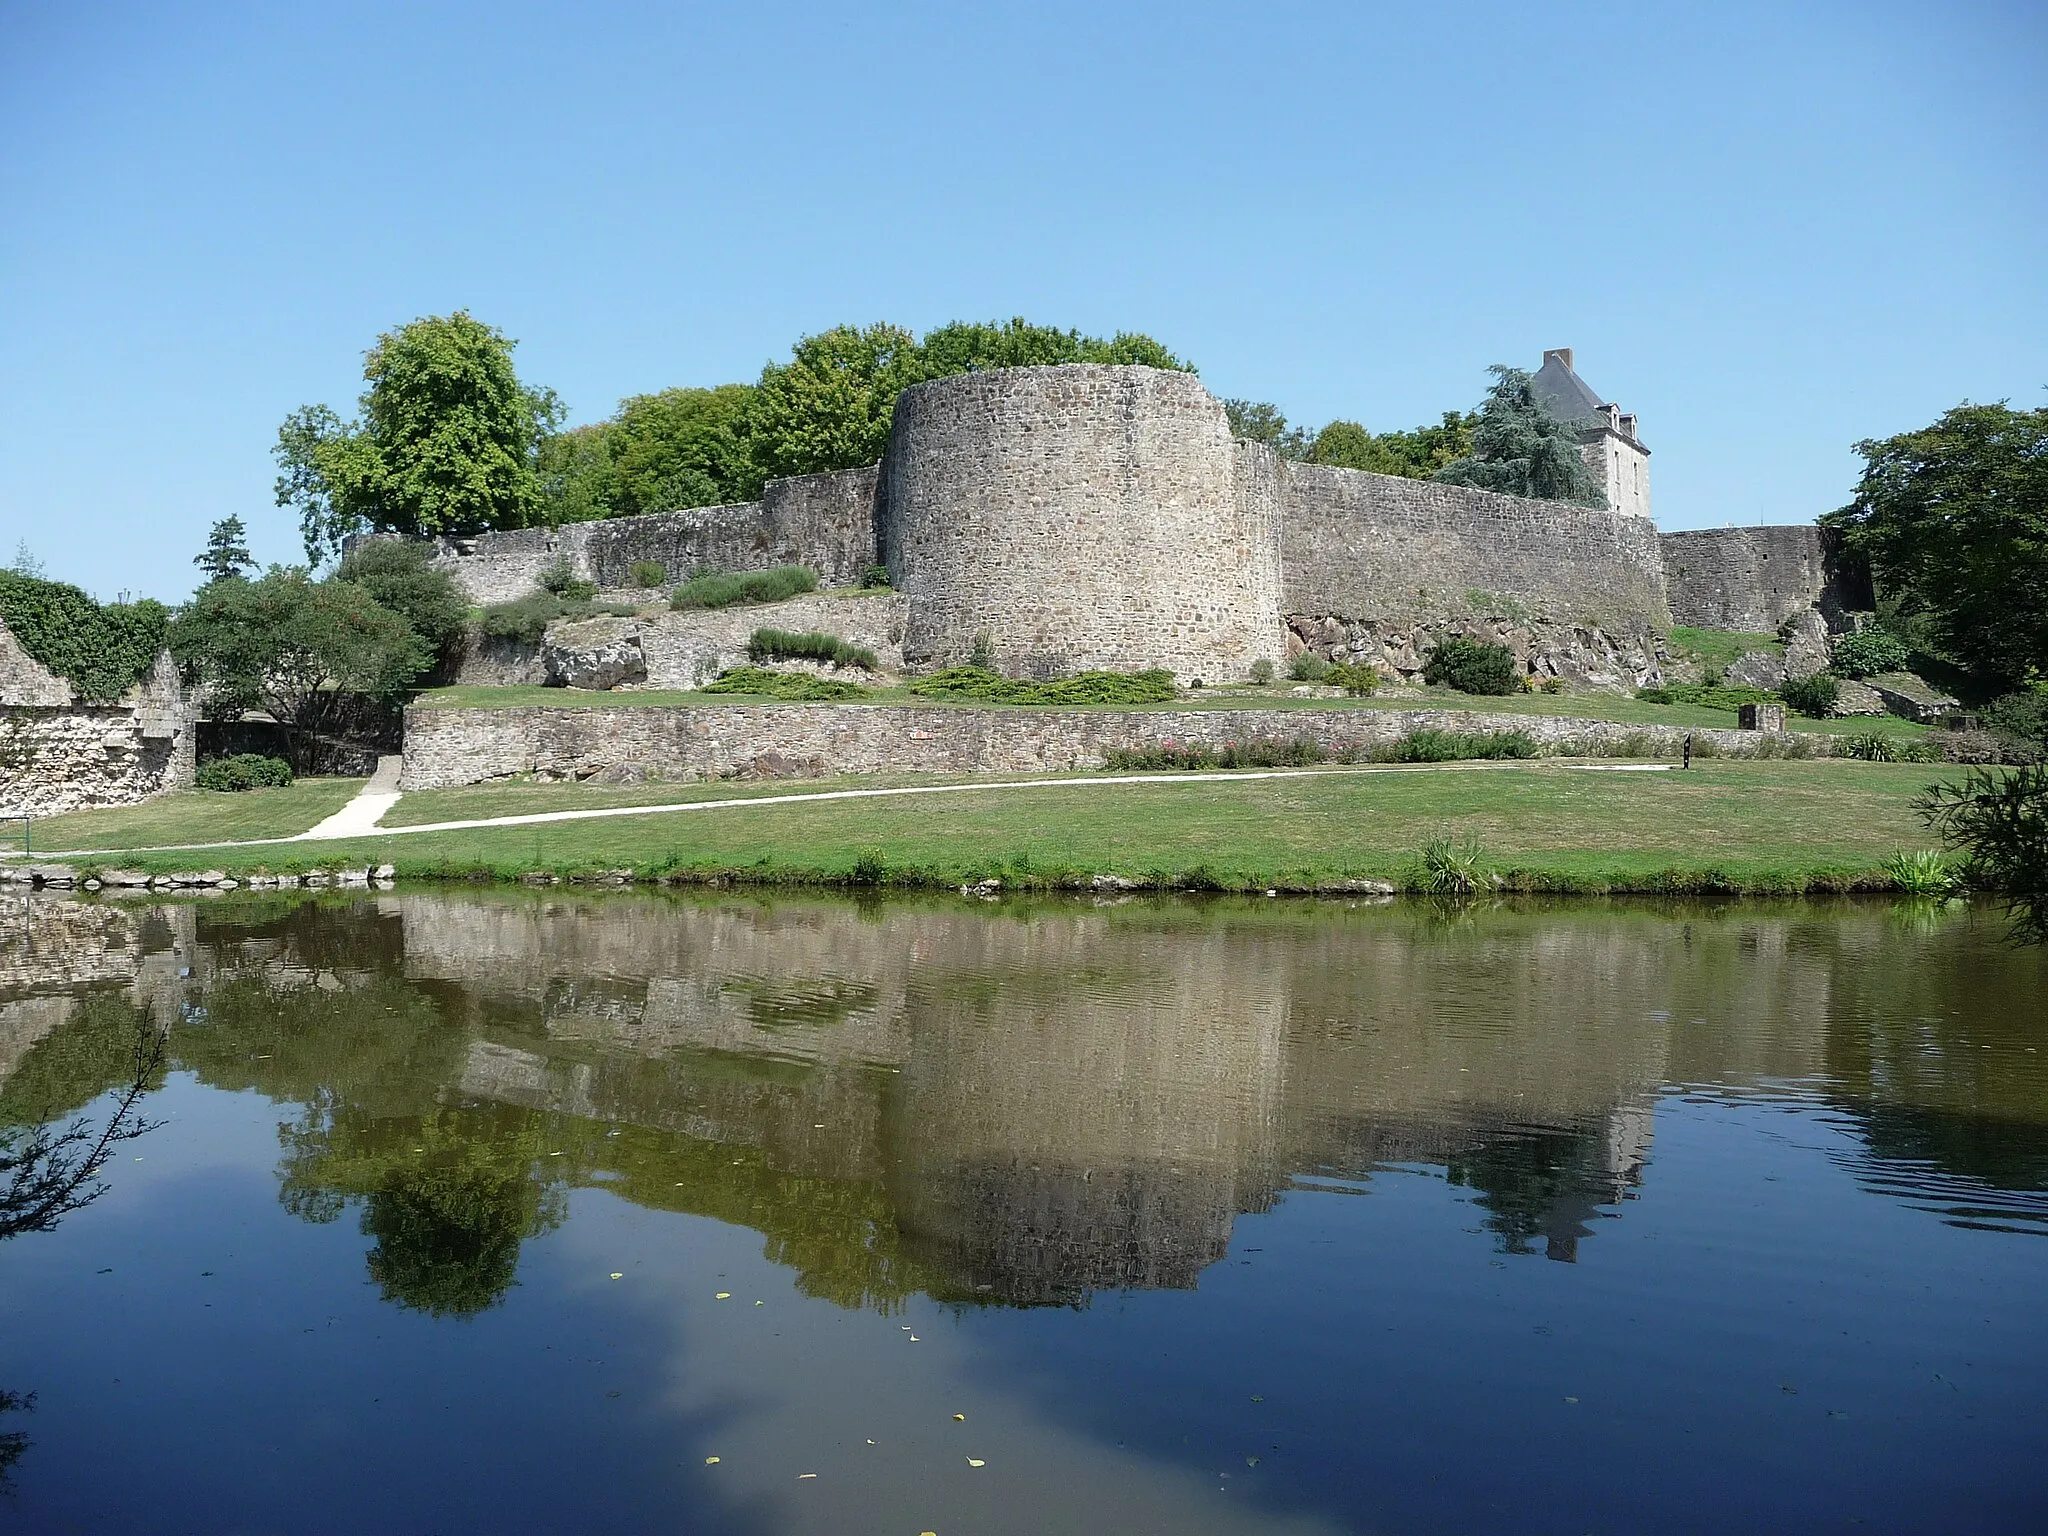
(1520,448)
(294,647)
(403,577)
(830,405)
(447,441)
(1415,455)
(1953,520)
(1260,421)
(683,448)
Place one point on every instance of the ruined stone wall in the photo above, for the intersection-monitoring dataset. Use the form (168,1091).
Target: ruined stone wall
(626,743)
(824,521)
(1081,517)
(59,755)
(1754,579)
(1357,545)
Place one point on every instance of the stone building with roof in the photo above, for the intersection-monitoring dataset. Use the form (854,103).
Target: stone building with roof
(1607,434)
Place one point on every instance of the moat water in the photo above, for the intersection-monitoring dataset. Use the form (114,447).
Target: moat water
(511,1212)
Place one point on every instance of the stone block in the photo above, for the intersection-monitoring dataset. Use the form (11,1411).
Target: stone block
(1760,717)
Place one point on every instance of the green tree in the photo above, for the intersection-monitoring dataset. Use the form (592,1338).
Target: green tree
(447,441)
(1953,520)
(683,448)
(1415,455)
(1520,448)
(830,405)
(1999,819)
(294,647)
(227,551)
(577,483)
(964,346)
(1260,421)
(403,577)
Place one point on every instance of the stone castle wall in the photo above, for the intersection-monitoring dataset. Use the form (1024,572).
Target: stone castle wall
(1755,579)
(627,743)
(1080,517)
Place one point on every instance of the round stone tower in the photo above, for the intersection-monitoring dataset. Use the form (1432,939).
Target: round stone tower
(1079,516)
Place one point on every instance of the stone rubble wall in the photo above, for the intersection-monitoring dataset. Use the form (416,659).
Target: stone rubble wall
(824,521)
(59,755)
(1756,579)
(690,647)
(627,744)
(1584,656)
(1081,517)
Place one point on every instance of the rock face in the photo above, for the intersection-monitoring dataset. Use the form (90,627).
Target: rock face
(1808,646)
(1912,697)
(1583,655)
(1758,669)
(593,653)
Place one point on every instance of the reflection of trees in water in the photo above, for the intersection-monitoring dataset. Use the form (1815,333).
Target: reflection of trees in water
(13,1441)
(1541,1182)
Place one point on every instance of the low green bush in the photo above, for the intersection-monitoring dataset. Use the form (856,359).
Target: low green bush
(1471,666)
(562,580)
(1434,746)
(1308,667)
(727,589)
(1813,696)
(1869,651)
(1259,752)
(2022,716)
(1356,678)
(1874,747)
(1262,671)
(874,577)
(646,573)
(102,650)
(1707,695)
(809,645)
(527,618)
(798,687)
(246,770)
(1153,686)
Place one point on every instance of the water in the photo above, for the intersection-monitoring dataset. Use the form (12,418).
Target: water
(507,1212)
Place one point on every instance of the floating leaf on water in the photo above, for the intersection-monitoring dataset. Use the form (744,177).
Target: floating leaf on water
(710,1461)
(1257,1398)
(802,1475)
(915,1339)
(959,1418)
(976,1461)
(1571,1399)
(724,1296)
(1251,1461)
(618,1274)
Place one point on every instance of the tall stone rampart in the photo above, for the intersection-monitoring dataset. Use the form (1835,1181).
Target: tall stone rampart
(1755,579)
(59,753)
(1082,516)
(1369,546)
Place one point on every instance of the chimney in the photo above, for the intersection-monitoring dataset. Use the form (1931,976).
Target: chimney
(1560,354)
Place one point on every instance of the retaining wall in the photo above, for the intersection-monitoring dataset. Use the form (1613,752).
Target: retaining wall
(625,743)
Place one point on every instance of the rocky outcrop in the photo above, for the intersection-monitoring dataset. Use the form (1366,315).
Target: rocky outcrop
(1585,656)
(597,654)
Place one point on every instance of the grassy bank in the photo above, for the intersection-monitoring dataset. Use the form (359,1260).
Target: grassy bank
(191,816)
(1583,706)
(1780,827)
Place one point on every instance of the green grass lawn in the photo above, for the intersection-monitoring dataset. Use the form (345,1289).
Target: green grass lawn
(1584,706)
(191,816)
(1734,826)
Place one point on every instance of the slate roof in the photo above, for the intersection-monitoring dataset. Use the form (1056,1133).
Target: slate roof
(1567,395)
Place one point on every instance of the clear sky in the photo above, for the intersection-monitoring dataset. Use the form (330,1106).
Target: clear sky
(1769,229)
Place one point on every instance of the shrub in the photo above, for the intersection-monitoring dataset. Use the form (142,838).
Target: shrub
(646,573)
(1450,866)
(1926,872)
(1869,651)
(1356,678)
(2022,716)
(562,580)
(527,618)
(798,687)
(1727,696)
(982,656)
(401,574)
(1259,752)
(729,588)
(1434,746)
(1471,666)
(873,577)
(1813,696)
(1308,667)
(1553,685)
(248,770)
(1149,687)
(1999,819)
(1869,747)
(786,645)
(1262,671)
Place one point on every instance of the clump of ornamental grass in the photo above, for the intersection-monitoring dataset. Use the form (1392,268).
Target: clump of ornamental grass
(1922,872)
(1450,865)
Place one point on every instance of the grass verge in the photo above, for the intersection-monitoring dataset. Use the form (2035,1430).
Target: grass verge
(1729,827)
(191,816)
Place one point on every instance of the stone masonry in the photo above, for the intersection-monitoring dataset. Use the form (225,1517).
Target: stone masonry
(627,743)
(60,754)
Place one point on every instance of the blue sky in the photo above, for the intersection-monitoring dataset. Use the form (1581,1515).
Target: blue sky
(1769,229)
